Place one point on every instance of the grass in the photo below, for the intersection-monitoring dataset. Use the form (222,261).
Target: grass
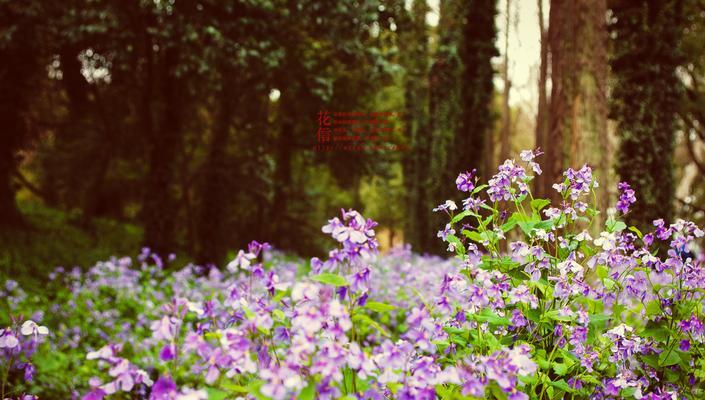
(57,238)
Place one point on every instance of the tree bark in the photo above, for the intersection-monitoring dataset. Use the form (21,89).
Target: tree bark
(542,112)
(159,212)
(506,112)
(577,112)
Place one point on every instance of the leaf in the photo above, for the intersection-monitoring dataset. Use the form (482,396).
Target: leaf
(473,235)
(254,390)
(657,332)
(479,188)
(560,368)
(539,204)
(598,319)
(554,315)
(614,225)
(562,385)
(602,271)
(489,316)
(234,388)
(307,393)
(667,358)
(365,320)
(637,231)
(444,393)
(330,279)
(653,307)
(459,248)
(216,394)
(513,220)
(379,307)
(460,216)
(279,314)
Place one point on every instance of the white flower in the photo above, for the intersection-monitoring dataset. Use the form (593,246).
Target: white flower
(242,261)
(8,341)
(606,241)
(31,328)
(448,205)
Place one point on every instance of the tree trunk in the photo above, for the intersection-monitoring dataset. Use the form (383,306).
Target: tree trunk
(646,97)
(159,212)
(506,112)
(212,226)
(578,113)
(542,113)
(20,63)
(414,40)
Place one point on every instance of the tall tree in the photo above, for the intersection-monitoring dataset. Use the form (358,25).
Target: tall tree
(542,111)
(477,48)
(647,53)
(19,48)
(577,113)
(414,45)
(445,113)
(506,112)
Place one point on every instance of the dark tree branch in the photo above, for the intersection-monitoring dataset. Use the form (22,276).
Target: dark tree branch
(691,205)
(690,145)
(29,186)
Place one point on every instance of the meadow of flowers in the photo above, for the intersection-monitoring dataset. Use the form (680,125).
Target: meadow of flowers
(537,303)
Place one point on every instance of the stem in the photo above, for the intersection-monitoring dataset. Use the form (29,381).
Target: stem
(6,374)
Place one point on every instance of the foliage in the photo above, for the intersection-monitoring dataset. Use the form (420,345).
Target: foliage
(556,314)
(647,48)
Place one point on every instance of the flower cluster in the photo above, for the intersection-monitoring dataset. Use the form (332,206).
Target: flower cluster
(538,303)
(18,343)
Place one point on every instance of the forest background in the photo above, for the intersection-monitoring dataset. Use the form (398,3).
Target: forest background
(190,126)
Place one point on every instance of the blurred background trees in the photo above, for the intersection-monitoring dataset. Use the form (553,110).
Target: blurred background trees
(189,126)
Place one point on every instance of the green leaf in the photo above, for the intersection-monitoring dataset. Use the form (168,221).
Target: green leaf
(330,279)
(254,390)
(657,332)
(489,316)
(539,204)
(473,235)
(279,314)
(667,358)
(562,385)
(596,319)
(513,220)
(614,225)
(560,369)
(479,188)
(379,307)
(637,231)
(554,315)
(460,216)
(602,271)
(653,307)
(234,388)
(365,320)
(459,248)
(216,394)
(307,393)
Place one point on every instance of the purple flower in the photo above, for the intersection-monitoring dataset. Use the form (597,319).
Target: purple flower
(501,185)
(464,181)
(448,230)
(684,345)
(528,156)
(168,352)
(28,372)
(164,389)
(626,197)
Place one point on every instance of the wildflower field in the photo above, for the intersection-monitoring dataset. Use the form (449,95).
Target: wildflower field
(534,302)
